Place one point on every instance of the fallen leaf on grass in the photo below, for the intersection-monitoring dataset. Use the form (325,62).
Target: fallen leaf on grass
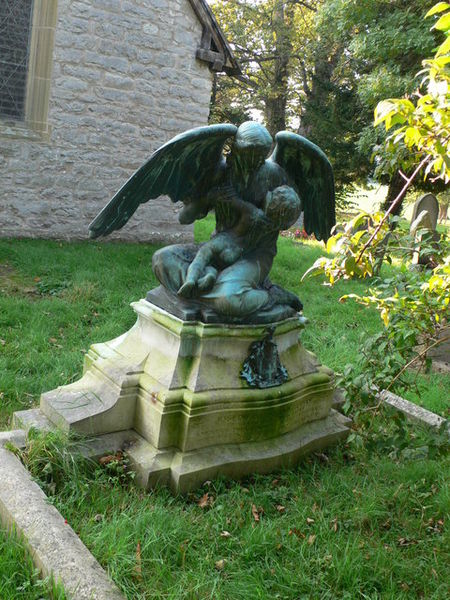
(280,508)
(220,564)
(205,501)
(225,534)
(405,542)
(322,457)
(257,512)
(404,586)
(309,520)
(2,342)
(334,525)
(435,526)
(105,460)
(297,532)
(311,539)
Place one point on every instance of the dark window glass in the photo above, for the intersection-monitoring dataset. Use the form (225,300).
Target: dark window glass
(15,24)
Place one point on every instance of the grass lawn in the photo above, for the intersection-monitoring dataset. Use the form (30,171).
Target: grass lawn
(343,525)
(57,298)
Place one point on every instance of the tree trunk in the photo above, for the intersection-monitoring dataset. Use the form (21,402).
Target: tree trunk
(395,187)
(276,100)
(317,94)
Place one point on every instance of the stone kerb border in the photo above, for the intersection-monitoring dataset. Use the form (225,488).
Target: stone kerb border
(413,411)
(55,548)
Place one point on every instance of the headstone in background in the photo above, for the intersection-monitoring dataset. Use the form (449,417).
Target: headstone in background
(300,221)
(429,203)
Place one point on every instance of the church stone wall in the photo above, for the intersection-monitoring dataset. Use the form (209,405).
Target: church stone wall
(125,80)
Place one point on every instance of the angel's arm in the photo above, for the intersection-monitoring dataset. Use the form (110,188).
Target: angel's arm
(195,209)
(246,211)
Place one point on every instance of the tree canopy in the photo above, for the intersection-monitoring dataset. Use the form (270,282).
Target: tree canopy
(320,67)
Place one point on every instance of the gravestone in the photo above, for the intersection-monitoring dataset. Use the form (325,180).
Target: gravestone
(429,203)
(424,217)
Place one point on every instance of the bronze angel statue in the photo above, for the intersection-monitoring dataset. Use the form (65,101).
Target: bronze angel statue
(254,196)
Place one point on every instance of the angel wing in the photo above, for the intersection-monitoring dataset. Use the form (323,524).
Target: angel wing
(180,168)
(312,175)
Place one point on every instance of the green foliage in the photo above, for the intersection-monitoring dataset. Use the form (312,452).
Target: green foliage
(270,38)
(413,306)
(423,128)
(350,260)
(419,304)
(222,112)
(371,51)
(321,68)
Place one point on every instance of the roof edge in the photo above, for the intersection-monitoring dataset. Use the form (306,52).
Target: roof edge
(214,47)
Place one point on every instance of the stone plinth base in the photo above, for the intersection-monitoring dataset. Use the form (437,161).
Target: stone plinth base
(185,471)
(201,399)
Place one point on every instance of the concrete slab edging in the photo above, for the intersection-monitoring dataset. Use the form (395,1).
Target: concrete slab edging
(413,411)
(55,548)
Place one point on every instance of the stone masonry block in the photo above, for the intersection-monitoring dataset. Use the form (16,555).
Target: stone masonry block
(110,107)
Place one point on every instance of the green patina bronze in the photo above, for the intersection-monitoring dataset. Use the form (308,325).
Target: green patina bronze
(263,368)
(254,197)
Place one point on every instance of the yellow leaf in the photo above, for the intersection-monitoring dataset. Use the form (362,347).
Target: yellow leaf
(412,136)
(437,8)
(443,24)
(331,243)
(444,48)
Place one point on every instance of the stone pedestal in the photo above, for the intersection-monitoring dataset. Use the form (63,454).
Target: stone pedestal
(179,389)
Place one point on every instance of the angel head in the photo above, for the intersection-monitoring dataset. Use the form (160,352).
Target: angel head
(251,146)
(282,207)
